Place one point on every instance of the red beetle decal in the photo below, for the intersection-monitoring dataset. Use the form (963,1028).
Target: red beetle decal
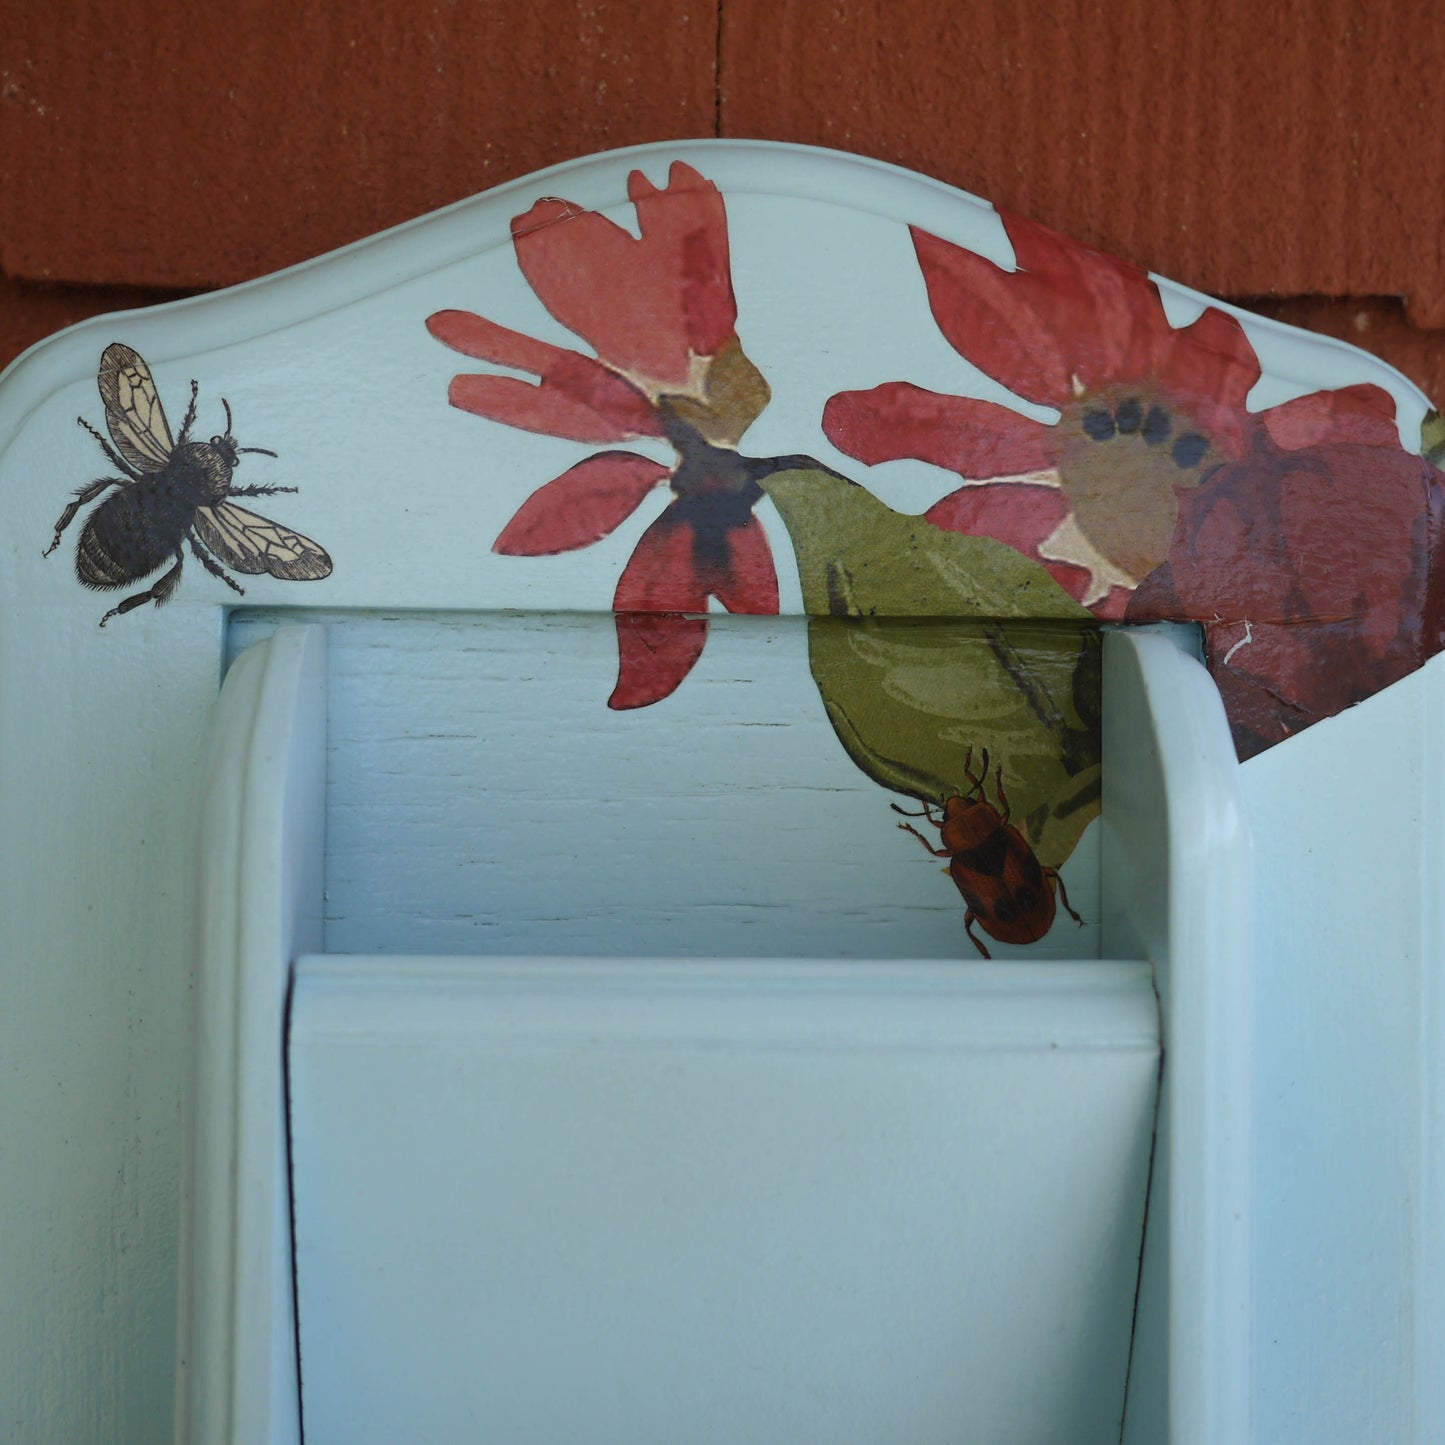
(1008,891)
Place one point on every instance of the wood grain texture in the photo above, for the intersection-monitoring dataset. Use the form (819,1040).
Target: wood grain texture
(481,799)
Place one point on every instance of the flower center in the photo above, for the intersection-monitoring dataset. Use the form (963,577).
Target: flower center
(1126,453)
(723,397)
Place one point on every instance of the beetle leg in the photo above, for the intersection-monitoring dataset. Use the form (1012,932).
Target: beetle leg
(211,565)
(968,922)
(925,812)
(976,783)
(157,594)
(1063,893)
(82,497)
(1002,796)
(937,852)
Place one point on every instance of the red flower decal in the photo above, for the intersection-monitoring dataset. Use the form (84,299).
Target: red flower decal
(659,312)
(1302,537)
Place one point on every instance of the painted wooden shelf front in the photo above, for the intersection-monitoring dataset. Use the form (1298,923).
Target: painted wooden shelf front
(893,1194)
(713,541)
(772,1201)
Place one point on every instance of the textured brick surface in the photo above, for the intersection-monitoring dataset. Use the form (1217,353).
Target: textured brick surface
(189,145)
(1244,149)
(29,312)
(1377,324)
(1281,151)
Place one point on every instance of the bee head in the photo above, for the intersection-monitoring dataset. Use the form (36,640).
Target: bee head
(226,444)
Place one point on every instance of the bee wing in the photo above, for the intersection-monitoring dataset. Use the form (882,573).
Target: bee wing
(134,416)
(253,544)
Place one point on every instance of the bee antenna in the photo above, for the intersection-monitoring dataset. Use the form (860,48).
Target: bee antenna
(227,405)
(265,451)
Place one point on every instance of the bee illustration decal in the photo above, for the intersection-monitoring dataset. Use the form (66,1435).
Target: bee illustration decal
(1007,890)
(172,494)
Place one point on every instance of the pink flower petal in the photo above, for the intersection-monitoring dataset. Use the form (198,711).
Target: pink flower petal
(475,336)
(559,407)
(1364,414)
(976,439)
(577,397)
(646,304)
(581,506)
(687,223)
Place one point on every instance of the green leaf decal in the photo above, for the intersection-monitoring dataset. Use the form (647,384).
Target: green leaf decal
(1432,438)
(857,557)
(927,645)
(909,699)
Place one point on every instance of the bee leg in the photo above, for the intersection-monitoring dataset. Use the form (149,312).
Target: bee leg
(84,496)
(259,491)
(1063,893)
(212,566)
(969,919)
(937,852)
(190,420)
(157,594)
(115,458)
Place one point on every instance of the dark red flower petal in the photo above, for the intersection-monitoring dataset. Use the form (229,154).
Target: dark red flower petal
(1364,414)
(1331,533)
(661,575)
(657,645)
(976,439)
(646,304)
(581,506)
(655,651)
(1022,515)
(750,582)
(577,398)
(1309,569)
(1106,311)
(983,316)
(1067,320)
(1289,676)
(1212,366)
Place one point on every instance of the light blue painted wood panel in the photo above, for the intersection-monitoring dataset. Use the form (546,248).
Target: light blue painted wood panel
(481,798)
(774,1202)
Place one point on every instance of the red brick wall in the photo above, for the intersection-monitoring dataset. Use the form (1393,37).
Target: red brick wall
(1289,153)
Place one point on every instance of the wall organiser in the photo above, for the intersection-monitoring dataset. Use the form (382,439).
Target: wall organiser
(818,827)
